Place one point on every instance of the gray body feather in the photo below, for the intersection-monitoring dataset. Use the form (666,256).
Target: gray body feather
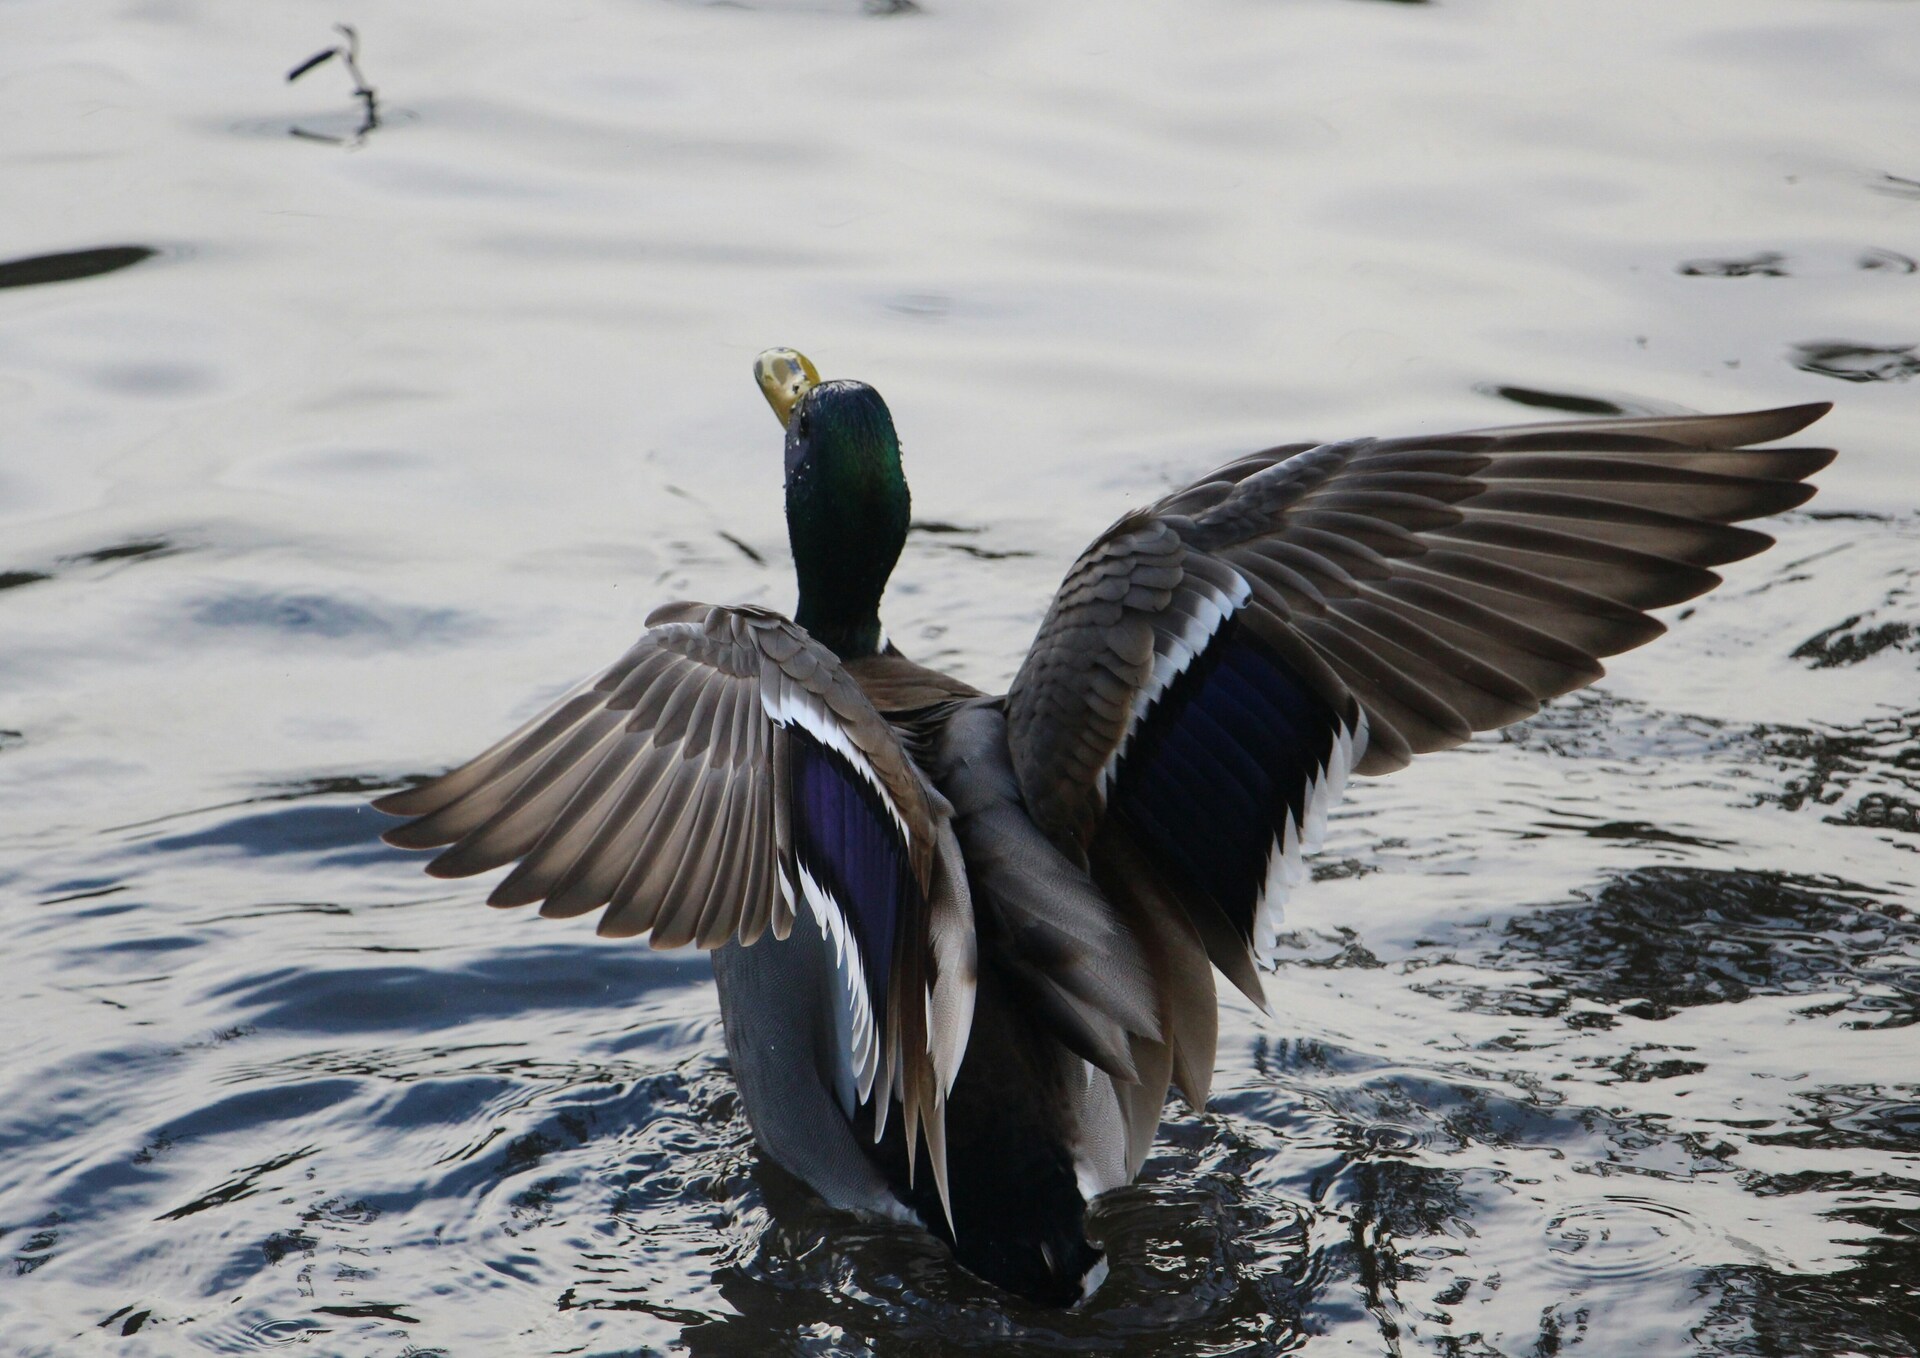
(776,1004)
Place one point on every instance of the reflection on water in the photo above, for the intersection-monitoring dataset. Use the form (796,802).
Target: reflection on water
(1889,261)
(1596,1035)
(1559,400)
(1663,939)
(1896,186)
(1766,264)
(1852,362)
(70,264)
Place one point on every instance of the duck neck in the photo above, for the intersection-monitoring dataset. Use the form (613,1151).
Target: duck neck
(847,636)
(842,576)
(846,532)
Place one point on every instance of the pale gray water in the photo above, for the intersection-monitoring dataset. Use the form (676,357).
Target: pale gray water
(1598,1036)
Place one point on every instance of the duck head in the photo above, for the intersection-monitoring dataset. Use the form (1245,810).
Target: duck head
(847,501)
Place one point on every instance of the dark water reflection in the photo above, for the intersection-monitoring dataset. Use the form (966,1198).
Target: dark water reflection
(1665,939)
(69,265)
(1854,362)
(1765,264)
(1559,400)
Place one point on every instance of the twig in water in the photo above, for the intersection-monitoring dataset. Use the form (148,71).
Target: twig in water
(349,54)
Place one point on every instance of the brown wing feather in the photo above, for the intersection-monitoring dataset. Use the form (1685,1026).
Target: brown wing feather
(662,791)
(1433,585)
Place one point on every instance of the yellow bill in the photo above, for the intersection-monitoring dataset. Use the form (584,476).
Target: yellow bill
(784,375)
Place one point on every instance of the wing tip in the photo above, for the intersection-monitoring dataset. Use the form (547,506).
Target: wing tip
(446,868)
(397,836)
(415,834)
(612,925)
(934,1130)
(1800,494)
(403,801)
(1818,459)
(1792,419)
(511,894)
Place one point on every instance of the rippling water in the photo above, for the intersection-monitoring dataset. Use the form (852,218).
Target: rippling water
(335,442)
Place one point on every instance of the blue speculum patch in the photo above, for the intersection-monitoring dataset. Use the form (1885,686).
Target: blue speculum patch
(845,838)
(1219,763)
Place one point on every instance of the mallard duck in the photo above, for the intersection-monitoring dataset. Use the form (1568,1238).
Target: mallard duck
(965,943)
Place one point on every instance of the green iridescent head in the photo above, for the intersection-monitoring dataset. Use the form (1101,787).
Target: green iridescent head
(847,501)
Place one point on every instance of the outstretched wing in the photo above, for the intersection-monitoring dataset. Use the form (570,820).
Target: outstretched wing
(1214,667)
(723,772)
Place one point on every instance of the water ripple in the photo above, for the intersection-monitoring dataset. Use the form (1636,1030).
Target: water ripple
(1620,1236)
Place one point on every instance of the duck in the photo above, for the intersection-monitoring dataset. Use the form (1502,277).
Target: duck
(966,944)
